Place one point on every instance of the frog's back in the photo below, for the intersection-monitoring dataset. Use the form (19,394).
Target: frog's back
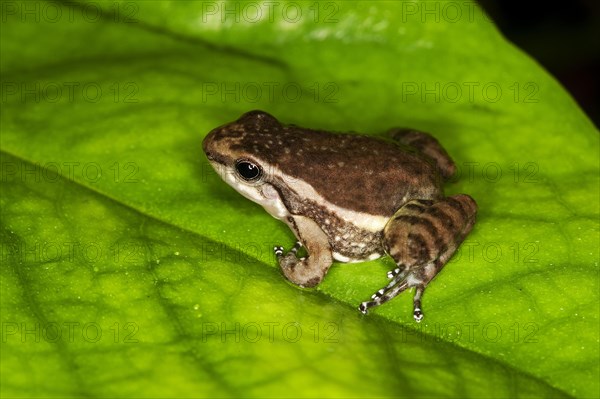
(356,172)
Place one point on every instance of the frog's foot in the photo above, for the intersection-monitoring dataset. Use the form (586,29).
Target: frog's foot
(393,289)
(309,270)
(395,275)
(304,271)
(290,259)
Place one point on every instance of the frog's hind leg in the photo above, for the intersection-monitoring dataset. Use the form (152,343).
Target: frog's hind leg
(421,238)
(428,145)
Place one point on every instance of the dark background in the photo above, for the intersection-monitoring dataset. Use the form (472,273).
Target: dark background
(562,36)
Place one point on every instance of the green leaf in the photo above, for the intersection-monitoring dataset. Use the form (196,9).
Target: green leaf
(130,269)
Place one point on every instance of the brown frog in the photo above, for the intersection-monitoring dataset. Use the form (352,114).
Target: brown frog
(348,198)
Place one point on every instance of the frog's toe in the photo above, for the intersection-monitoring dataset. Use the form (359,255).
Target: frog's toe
(417,312)
(418,315)
(393,273)
(296,247)
(278,250)
(378,294)
(364,307)
(395,287)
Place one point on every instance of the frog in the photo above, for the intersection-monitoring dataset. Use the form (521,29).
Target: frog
(348,197)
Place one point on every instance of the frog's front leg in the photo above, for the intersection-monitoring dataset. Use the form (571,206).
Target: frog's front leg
(310,270)
(421,238)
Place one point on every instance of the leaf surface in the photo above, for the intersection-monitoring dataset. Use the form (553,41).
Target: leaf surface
(129,268)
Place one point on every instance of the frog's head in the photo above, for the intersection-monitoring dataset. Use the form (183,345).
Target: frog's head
(241,153)
(235,138)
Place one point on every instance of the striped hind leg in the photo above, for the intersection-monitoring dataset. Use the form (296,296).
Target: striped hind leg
(421,238)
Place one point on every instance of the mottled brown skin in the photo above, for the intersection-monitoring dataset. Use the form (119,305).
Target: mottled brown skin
(399,182)
(347,169)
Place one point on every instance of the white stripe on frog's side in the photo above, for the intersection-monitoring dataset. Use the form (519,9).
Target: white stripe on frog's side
(362,220)
(268,197)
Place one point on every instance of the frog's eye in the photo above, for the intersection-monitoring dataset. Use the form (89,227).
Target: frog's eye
(247,170)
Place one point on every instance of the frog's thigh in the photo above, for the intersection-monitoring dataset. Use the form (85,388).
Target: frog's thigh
(310,270)
(424,234)
(427,145)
